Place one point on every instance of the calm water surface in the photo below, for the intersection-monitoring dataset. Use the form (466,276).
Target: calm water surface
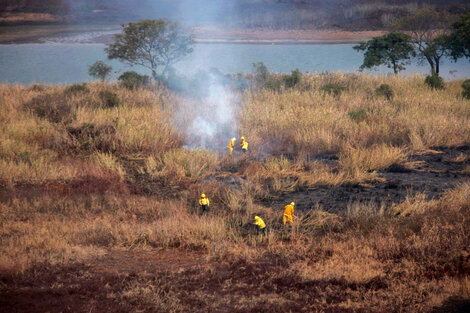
(68,62)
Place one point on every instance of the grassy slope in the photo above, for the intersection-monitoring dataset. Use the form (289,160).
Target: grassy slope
(81,176)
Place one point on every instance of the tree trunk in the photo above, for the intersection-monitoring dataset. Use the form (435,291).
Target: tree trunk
(394,63)
(431,63)
(436,59)
(154,75)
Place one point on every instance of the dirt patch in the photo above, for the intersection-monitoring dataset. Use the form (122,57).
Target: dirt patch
(83,185)
(132,261)
(175,279)
(431,172)
(94,286)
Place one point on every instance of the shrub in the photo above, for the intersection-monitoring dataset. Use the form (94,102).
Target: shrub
(358,116)
(37,87)
(76,88)
(89,137)
(274,85)
(110,99)
(434,81)
(261,73)
(385,91)
(52,107)
(133,80)
(466,89)
(293,79)
(333,88)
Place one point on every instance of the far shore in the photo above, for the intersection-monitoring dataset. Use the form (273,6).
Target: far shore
(209,35)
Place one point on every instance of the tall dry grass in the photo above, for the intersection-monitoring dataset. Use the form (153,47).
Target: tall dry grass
(308,120)
(411,256)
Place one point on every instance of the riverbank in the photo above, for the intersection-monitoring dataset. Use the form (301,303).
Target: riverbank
(104,33)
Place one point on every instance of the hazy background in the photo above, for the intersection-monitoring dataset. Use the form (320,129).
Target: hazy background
(272,14)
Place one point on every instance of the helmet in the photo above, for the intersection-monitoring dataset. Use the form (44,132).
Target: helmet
(292,203)
(256,217)
(234,139)
(242,138)
(203,195)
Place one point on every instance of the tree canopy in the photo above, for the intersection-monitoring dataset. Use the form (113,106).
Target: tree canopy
(154,44)
(393,50)
(100,70)
(459,39)
(428,30)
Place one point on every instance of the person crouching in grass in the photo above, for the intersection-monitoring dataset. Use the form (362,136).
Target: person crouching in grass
(261,225)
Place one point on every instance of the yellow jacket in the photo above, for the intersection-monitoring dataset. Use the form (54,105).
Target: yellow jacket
(231,144)
(288,210)
(244,144)
(259,222)
(204,201)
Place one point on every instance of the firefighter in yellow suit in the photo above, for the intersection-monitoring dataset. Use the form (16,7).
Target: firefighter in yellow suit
(244,144)
(204,202)
(230,146)
(288,211)
(261,224)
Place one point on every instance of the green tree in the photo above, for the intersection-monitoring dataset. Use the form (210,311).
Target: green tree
(393,50)
(459,39)
(133,80)
(428,30)
(154,44)
(260,73)
(100,70)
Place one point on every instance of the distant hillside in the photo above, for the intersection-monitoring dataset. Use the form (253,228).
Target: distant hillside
(271,14)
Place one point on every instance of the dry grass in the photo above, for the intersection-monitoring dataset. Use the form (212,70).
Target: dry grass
(407,257)
(310,121)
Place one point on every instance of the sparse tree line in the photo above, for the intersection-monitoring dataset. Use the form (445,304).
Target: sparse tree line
(426,34)
(158,44)
(266,14)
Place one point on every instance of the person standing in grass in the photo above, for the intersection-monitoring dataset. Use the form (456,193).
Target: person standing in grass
(244,144)
(204,202)
(230,146)
(288,212)
(261,225)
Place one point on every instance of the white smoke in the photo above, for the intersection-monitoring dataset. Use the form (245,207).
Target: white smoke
(209,121)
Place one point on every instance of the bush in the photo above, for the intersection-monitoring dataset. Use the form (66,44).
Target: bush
(358,116)
(76,88)
(110,99)
(261,73)
(133,80)
(385,91)
(293,79)
(434,81)
(466,89)
(334,88)
(37,87)
(274,85)
(89,137)
(52,107)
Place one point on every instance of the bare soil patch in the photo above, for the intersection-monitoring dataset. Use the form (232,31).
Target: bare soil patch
(94,286)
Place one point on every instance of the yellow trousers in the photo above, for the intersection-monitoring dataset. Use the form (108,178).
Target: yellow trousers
(286,218)
(230,150)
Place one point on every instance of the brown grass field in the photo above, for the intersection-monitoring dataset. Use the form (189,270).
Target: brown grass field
(99,213)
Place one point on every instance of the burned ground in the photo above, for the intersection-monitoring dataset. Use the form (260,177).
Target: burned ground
(178,280)
(430,172)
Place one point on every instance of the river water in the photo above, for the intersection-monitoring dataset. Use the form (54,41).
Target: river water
(68,62)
